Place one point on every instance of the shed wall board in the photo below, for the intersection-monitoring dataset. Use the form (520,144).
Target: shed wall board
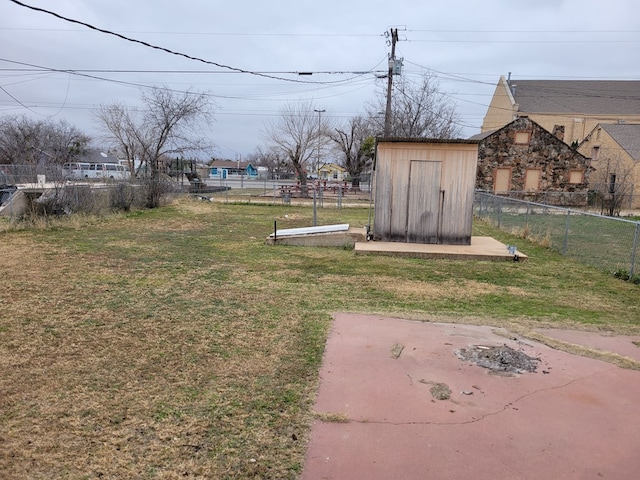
(424,210)
(424,192)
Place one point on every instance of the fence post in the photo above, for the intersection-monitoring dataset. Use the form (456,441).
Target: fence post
(315,210)
(566,234)
(636,239)
(499,211)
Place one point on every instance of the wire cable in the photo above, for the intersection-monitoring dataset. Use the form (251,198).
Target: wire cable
(166,50)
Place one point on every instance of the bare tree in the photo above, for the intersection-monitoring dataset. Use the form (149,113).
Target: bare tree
(355,142)
(613,184)
(274,161)
(66,142)
(24,141)
(120,124)
(418,110)
(164,126)
(298,134)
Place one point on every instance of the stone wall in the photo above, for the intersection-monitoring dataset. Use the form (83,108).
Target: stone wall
(544,151)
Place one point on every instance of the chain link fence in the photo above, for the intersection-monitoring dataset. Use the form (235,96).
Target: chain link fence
(606,199)
(607,243)
(29,174)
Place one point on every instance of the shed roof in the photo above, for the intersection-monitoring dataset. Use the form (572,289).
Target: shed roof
(97,156)
(615,97)
(481,136)
(425,140)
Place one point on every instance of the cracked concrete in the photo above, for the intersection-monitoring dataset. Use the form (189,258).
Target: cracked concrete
(575,421)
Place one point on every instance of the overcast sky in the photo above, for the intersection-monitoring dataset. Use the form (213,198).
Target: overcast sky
(468,44)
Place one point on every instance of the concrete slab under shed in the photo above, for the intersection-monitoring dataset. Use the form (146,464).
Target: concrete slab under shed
(481,248)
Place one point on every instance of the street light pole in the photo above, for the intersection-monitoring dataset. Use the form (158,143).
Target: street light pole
(318,157)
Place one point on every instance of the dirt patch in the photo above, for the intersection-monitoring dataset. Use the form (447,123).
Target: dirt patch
(503,359)
(439,391)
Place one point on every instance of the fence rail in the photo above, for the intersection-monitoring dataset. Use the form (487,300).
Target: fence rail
(19,174)
(599,198)
(607,243)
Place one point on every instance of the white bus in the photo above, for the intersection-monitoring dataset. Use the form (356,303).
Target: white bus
(108,171)
(75,170)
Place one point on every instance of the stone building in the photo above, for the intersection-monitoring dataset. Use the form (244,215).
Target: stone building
(524,160)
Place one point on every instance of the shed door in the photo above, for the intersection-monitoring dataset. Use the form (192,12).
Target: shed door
(424,202)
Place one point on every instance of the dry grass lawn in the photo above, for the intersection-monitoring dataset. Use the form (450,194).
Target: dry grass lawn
(175,344)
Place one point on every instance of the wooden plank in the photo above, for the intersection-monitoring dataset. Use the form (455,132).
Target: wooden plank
(424,205)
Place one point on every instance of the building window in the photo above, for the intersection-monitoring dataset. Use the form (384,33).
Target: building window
(576,176)
(522,138)
(595,153)
(503,180)
(532,179)
(612,183)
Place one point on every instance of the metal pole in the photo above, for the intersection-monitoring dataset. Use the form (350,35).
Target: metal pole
(318,155)
(315,216)
(565,242)
(636,240)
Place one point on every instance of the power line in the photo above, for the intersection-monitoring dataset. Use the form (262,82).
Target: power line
(525,31)
(362,81)
(163,49)
(215,72)
(94,77)
(326,34)
(523,41)
(217,34)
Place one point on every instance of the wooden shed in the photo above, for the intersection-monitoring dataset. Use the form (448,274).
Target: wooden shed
(424,190)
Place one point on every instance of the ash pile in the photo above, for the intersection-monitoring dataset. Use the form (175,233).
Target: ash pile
(500,359)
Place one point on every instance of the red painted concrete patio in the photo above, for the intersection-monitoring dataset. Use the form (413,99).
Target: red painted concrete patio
(377,418)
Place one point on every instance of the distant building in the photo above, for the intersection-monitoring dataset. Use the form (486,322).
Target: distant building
(223,169)
(576,105)
(331,172)
(615,156)
(523,159)
(96,156)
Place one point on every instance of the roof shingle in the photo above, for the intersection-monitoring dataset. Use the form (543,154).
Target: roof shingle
(615,97)
(627,136)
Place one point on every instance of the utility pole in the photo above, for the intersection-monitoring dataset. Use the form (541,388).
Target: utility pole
(392,64)
(318,156)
